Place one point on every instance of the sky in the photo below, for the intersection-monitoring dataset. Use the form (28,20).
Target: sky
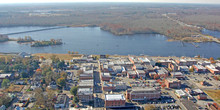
(160,1)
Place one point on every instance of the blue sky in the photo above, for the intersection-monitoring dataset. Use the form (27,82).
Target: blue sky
(164,1)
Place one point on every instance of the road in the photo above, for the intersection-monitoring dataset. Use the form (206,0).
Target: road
(177,100)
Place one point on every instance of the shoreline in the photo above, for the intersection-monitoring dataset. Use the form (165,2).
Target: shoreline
(203,39)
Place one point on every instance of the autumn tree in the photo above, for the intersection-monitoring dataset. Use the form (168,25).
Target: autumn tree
(61,82)
(150,107)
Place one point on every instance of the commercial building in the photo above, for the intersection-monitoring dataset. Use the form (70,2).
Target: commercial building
(105,76)
(86,83)
(177,75)
(141,73)
(199,68)
(212,69)
(131,74)
(172,83)
(85,76)
(180,93)
(85,94)
(114,100)
(138,94)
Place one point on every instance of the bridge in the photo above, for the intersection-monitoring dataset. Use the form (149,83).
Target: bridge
(44,29)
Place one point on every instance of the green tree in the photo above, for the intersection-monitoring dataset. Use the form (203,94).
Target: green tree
(61,82)
(73,90)
(5,83)
(61,64)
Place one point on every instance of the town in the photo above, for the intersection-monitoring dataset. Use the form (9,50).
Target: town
(107,82)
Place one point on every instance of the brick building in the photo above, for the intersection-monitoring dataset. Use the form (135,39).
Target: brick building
(172,83)
(114,100)
(138,94)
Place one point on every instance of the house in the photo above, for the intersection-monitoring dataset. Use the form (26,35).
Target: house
(106,76)
(52,85)
(85,94)
(204,63)
(114,100)
(148,68)
(131,74)
(5,76)
(61,101)
(172,83)
(141,73)
(24,55)
(199,68)
(138,94)
(198,91)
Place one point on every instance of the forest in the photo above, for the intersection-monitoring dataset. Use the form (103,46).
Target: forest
(119,18)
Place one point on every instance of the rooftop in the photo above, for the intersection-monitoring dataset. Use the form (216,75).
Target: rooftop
(180,92)
(112,97)
(85,91)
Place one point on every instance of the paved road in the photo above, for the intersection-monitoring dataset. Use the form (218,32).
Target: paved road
(177,100)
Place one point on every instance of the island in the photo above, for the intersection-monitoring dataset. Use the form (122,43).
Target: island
(26,39)
(47,43)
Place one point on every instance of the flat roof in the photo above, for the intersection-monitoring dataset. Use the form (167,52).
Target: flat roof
(111,97)
(4,75)
(180,92)
(199,66)
(85,91)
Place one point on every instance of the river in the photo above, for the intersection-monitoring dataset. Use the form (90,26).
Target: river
(92,40)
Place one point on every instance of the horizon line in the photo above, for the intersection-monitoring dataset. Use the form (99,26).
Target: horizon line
(111,2)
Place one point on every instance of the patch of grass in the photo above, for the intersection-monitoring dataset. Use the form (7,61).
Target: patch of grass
(214,94)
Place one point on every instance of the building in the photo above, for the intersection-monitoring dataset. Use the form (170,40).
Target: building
(172,83)
(106,76)
(164,63)
(141,73)
(189,91)
(177,75)
(4,76)
(212,69)
(85,76)
(152,74)
(85,94)
(86,83)
(213,106)
(180,93)
(173,66)
(202,97)
(114,100)
(106,86)
(181,62)
(61,101)
(131,74)
(138,94)
(199,68)
(184,69)
(24,55)
(162,72)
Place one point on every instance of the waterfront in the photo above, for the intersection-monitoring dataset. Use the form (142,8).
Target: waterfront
(92,40)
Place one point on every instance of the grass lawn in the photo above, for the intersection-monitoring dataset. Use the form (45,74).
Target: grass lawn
(60,56)
(214,94)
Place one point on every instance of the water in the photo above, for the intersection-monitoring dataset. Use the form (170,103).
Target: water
(87,40)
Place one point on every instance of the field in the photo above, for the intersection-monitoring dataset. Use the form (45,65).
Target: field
(178,22)
(214,94)
(60,56)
